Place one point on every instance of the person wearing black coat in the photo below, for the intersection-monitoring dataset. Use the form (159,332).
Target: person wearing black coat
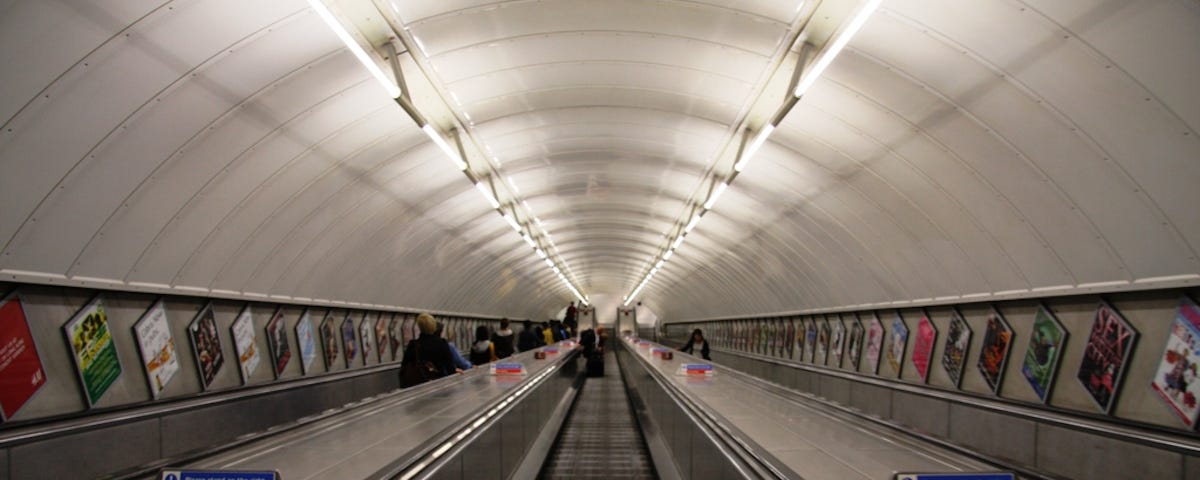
(429,347)
(528,340)
(503,340)
(696,343)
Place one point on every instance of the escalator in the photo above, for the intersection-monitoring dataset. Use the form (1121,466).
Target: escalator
(600,437)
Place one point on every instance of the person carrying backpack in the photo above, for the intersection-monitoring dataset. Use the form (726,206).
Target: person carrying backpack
(502,339)
(426,357)
(482,351)
(527,340)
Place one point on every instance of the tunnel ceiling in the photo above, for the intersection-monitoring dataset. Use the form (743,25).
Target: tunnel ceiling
(954,150)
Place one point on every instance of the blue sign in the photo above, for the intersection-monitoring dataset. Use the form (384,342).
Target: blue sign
(956,476)
(216,475)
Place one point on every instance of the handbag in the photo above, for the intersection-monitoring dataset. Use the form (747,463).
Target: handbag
(417,371)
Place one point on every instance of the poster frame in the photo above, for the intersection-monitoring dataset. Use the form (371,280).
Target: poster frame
(837,346)
(896,359)
(328,333)
(930,346)
(994,384)
(810,339)
(396,333)
(956,375)
(1189,326)
(206,383)
(246,376)
(160,302)
(383,339)
(349,333)
(875,325)
(822,340)
(97,300)
(366,336)
(1118,379)
(858,335)
(306,361)
(45,377)
(278,321)
(1056,363)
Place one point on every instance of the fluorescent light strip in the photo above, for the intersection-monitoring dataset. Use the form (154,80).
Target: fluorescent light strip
(529,241)
(836,47)
(756,144)
(678,242)
(541,253)
(715,195)
(512,222)
(667,256)
(355,48)
(659,264)
(487,193)
(441,143)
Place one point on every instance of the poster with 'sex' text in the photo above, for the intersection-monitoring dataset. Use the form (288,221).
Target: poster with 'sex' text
(21,373)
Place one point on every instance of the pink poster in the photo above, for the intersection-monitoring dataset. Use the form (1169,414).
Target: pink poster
(21,373)
(923,348)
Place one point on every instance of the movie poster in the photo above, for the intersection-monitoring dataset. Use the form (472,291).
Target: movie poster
(206,345)
(958,341)
(396,329)
(810,340)
(874,345)
(307,341)
(21,372)
(822,341)
(837,342)
(898,341)
(349,339)
(366,334)
(329,340)
(382,339)
(993,353)
(1175,380)
(1044,352)
(1110,344)
(855,344)
(789,339)
(157,348)
(923,346)
(93,350)
(245,344)
(277,341)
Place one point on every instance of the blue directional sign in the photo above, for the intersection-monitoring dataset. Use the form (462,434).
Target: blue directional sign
(217,475)
(956,476)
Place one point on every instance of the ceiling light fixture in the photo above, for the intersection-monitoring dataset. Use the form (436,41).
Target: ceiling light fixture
(487,193)
(843,37)
(756,144)
(355,48)
(441,143)
(712,200)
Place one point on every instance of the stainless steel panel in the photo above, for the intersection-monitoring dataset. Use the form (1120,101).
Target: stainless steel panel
(835,389)
(452,470)
(814,464)
(1191,467)
(871,399)
(706,459)
(512,441)
(1078,455)
(682,433)
(999,435)
(92,454)
(926,414)
(483,459)
(4,464)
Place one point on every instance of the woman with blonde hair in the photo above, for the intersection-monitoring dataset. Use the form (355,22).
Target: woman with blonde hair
(427,357)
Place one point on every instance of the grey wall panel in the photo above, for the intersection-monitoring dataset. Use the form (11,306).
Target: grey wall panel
(1191,467)
(452,470)
(871,399)
(926,414)
(835,389)
(1000,435)
(1072,454)
(482,459)
(92,453)
(513,441)
(4,473)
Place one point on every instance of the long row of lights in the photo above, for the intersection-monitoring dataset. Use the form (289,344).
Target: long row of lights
(809,77)
(452,153)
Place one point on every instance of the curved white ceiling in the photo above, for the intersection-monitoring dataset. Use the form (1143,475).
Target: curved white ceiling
(953,150)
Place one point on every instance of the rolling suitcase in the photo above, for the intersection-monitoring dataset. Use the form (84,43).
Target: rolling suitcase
(595,365)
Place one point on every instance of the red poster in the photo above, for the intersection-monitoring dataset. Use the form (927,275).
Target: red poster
(923,349)
(21,373)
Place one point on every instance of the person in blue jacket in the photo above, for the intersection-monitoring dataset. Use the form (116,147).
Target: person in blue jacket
(456,358)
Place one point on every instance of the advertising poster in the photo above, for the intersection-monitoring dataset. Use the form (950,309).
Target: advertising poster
(810,340)
(307,341)
(368,337)
(789,339)
(93,349)
(383,339)
(958,340)
(1044,352)
(244,343)
(329,340)
(923,346)
(349,339)
(1175,380)
(277,341)
(855,343)
(897,342)
(993,354)
(157,348)
(21,373)
(837,343)
(822,341)
(206,345)
(874,345)
(396,329)
(1110,344)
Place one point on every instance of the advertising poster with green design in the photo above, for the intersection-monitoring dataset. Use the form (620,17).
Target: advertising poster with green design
(93,350)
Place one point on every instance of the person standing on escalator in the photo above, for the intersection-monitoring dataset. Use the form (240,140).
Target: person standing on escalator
(696,343)
(502,339)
